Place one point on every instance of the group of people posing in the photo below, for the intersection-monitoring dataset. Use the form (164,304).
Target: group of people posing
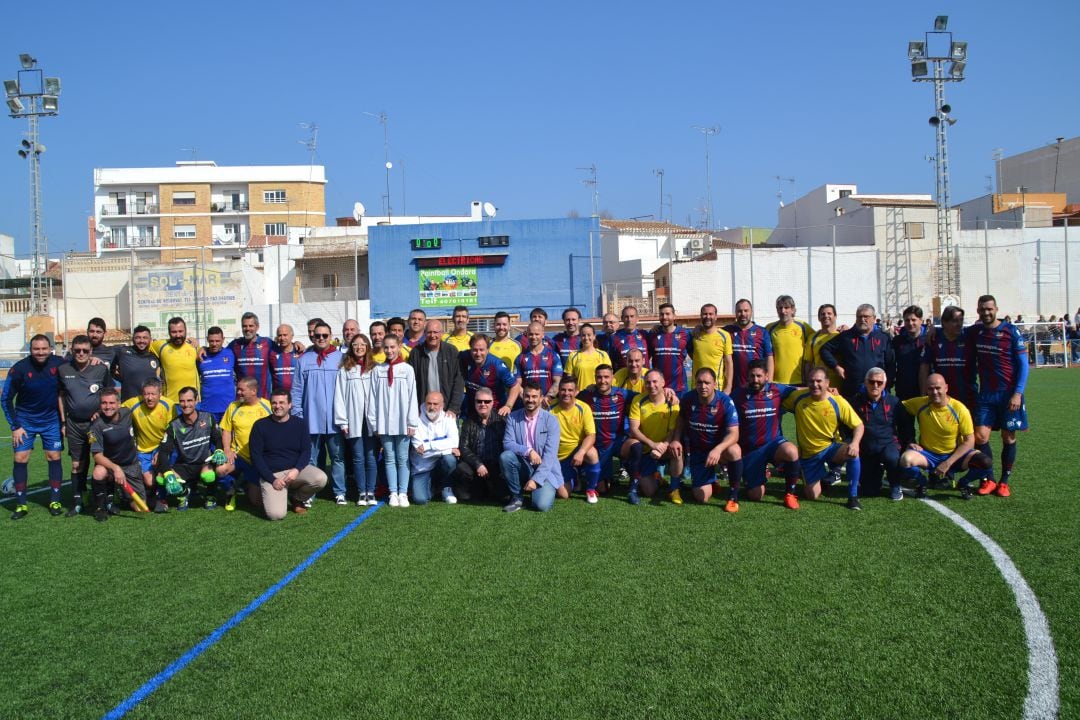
(435,412)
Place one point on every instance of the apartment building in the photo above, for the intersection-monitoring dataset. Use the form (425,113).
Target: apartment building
(200,210)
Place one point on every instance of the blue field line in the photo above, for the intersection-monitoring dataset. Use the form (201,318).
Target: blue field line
(210,640)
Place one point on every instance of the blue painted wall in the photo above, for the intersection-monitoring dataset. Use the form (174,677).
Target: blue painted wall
(547,265)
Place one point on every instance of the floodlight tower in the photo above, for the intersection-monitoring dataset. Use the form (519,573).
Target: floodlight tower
(938,47)
(31,95)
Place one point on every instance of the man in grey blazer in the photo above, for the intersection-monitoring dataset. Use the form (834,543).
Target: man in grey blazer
(530,458)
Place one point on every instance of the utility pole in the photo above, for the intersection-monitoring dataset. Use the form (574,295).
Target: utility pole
(708,132)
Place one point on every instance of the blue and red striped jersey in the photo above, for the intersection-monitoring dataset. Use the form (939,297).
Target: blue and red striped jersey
(999,357)
(253,360)
(411,344)
(523,341)
(759,414)
(909,353)
(668,351)
(31,392)
(610,412)
(282,367)
(623,341)
(750,343)
(492,374)
(948,358)
(566,344)
(540,367)
(706,423)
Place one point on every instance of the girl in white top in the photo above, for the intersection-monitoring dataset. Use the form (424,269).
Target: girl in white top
(394,414)
(352,394)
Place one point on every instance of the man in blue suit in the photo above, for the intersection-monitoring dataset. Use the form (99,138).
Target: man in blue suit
(530,458)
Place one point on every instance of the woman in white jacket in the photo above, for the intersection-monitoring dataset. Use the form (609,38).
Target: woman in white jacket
(352,395)
(393,414)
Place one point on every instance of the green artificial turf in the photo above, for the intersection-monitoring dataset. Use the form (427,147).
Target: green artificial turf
(588,611)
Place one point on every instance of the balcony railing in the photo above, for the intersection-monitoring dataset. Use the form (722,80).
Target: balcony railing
(231,240)
(228,207)
(137,209)
(109,243)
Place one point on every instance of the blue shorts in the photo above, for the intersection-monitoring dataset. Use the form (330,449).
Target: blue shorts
(934,459)
(569,472)
(756,461)
(608,454)
(992,411)
(247,471)
(650,465)
(816,467)
(146,461)
(51,440)
(701,474)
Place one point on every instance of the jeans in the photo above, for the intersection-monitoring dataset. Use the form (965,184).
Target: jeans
(336,454)
(517,471)
(396,460)
(365,451)
(421,479)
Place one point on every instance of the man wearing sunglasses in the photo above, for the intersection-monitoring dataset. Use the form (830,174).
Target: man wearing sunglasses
(81,384)
(481,443)
(314,382)
(879,411)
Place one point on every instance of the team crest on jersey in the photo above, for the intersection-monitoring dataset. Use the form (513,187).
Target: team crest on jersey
(94,387)
(153,364)
(52,371)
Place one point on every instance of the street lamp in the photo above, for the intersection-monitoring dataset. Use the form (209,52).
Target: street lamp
(935,50)
(31,95)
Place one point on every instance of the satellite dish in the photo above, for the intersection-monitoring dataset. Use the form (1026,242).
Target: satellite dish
(490,209)
(102,229)
(358,211)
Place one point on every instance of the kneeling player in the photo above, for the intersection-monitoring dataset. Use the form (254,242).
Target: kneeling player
(199,461)
(760,406)
(946,439)
(818,417)
(709,432)
(654,423)
(577,437)
(116,460)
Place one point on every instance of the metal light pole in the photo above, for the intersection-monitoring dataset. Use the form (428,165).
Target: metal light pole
(938,47)
(659,173)
(30,96)
(708,132)
(384,120)
(594,183)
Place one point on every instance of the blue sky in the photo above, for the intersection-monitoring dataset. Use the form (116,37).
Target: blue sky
(504,101)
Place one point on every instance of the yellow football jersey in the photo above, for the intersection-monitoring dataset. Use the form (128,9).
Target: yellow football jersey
(941,429)
(149,425)
(789,345)
(574,424)
(709,351)
(582,366)
(656,420)
(238,419)
(817,422)
(178,367)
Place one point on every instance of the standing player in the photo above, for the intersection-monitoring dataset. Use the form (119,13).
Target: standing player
(654,424)
(946,355)
(605,339)
(136,363)
(569,339)
(627,338)
(195,438)
(583,363)
(610,407)
(632,375)
(150,416)
(536,315)
(761,438)
(909,349)
(217,374)
(378,331)
(252,352)
(31,396)
(712,349)
(177,359)
(749,342)
(996,354)
(818,418)
(282,359)
(458,337)
(669,346)
(946,439)
(80,386)
(789,338)
(503,346)
(482,369)
(417,322)
(539,364)
(826,315)
(577,440)
(95,330)
(709,432)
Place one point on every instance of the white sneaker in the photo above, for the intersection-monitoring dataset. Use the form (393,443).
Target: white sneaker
(339,499)
(403,500)
(307,503)
(449,497)
(361,501)
(394,500)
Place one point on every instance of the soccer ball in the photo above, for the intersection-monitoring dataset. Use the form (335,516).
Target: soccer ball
(8,488)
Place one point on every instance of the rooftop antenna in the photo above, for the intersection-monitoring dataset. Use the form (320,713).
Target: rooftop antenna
(594,183)
(312,144)
(708,132)
(659,173)
(194,152)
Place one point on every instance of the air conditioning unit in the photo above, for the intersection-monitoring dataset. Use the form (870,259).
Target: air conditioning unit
(697,244)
